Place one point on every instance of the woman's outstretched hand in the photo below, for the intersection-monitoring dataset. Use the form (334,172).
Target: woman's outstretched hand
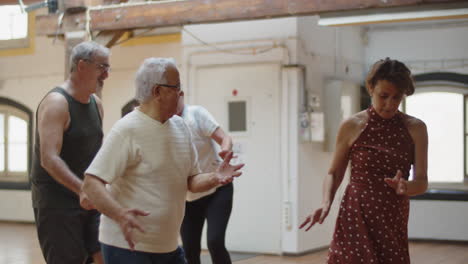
(227,172)
(318,216)
(398,183)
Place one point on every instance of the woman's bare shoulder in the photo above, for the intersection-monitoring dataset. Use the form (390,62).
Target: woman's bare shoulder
(413,123)
(356,121)
(416,127)
(352,127)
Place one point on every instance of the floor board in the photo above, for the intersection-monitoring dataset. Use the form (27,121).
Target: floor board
(18,245)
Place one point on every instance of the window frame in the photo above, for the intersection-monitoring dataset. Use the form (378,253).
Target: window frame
(458,83)
(16,109)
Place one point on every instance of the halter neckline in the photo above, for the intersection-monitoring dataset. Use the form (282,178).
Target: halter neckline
(374,116)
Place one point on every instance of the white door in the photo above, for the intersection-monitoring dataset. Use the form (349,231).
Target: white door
(249,95)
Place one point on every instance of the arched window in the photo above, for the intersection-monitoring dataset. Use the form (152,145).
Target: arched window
(15,144)
(441,102)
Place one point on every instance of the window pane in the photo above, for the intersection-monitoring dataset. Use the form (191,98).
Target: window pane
(17,144)
(19,26)
(2,129)
(466,115)
(17,130)
(17,157)
(2,142)
(466,155)
(2,157)
(443,115)
(237,116)
(466,135)
(13,23)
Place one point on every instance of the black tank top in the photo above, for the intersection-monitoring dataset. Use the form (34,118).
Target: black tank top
(81,142)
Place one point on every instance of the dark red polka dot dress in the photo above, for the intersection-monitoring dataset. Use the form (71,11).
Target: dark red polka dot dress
(372,224)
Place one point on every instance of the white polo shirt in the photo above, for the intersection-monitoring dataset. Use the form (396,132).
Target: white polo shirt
(202,125)
(146,164)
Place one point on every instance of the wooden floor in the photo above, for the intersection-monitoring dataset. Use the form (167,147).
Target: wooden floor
(18,245)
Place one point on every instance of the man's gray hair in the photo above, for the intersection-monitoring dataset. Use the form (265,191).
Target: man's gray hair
(86,51)
(151,72)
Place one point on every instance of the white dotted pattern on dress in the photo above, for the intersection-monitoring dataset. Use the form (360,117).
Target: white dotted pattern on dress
(372,223)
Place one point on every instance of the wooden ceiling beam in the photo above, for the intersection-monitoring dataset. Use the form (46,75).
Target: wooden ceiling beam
(109,38)
(87,2)
(168,13)
(16,2)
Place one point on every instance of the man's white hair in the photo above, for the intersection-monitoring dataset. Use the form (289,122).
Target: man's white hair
(86,51)
(151,72)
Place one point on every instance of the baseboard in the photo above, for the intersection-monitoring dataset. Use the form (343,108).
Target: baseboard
(446,241)
(306,252)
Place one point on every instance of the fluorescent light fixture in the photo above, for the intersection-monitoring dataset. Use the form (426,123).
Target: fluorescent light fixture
(51,4)
(390,15)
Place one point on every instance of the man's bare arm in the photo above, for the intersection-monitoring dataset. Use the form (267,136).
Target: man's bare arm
(53,119)
(127,218)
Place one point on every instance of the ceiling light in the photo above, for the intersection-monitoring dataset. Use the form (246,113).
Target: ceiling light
(390,15)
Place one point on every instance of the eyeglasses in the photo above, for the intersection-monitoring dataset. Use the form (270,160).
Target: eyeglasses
(176,87)
(102,66)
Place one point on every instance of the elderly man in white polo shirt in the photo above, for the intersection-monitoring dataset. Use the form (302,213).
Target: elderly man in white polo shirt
(149,162)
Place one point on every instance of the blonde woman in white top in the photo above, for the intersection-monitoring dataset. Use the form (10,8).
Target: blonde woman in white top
(215,205)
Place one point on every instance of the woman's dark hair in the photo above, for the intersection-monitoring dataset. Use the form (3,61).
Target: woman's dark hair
(392,71)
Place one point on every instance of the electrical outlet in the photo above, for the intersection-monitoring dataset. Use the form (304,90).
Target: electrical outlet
(287,215)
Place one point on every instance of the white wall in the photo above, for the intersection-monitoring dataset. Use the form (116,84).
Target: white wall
(26,79)
(439,220)
(434,47)
(236,45)
(280,28)
(326,52)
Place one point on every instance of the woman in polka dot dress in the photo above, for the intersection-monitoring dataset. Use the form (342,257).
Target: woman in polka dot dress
(382,144)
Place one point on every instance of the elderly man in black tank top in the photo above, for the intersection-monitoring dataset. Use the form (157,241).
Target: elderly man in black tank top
(68,136)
